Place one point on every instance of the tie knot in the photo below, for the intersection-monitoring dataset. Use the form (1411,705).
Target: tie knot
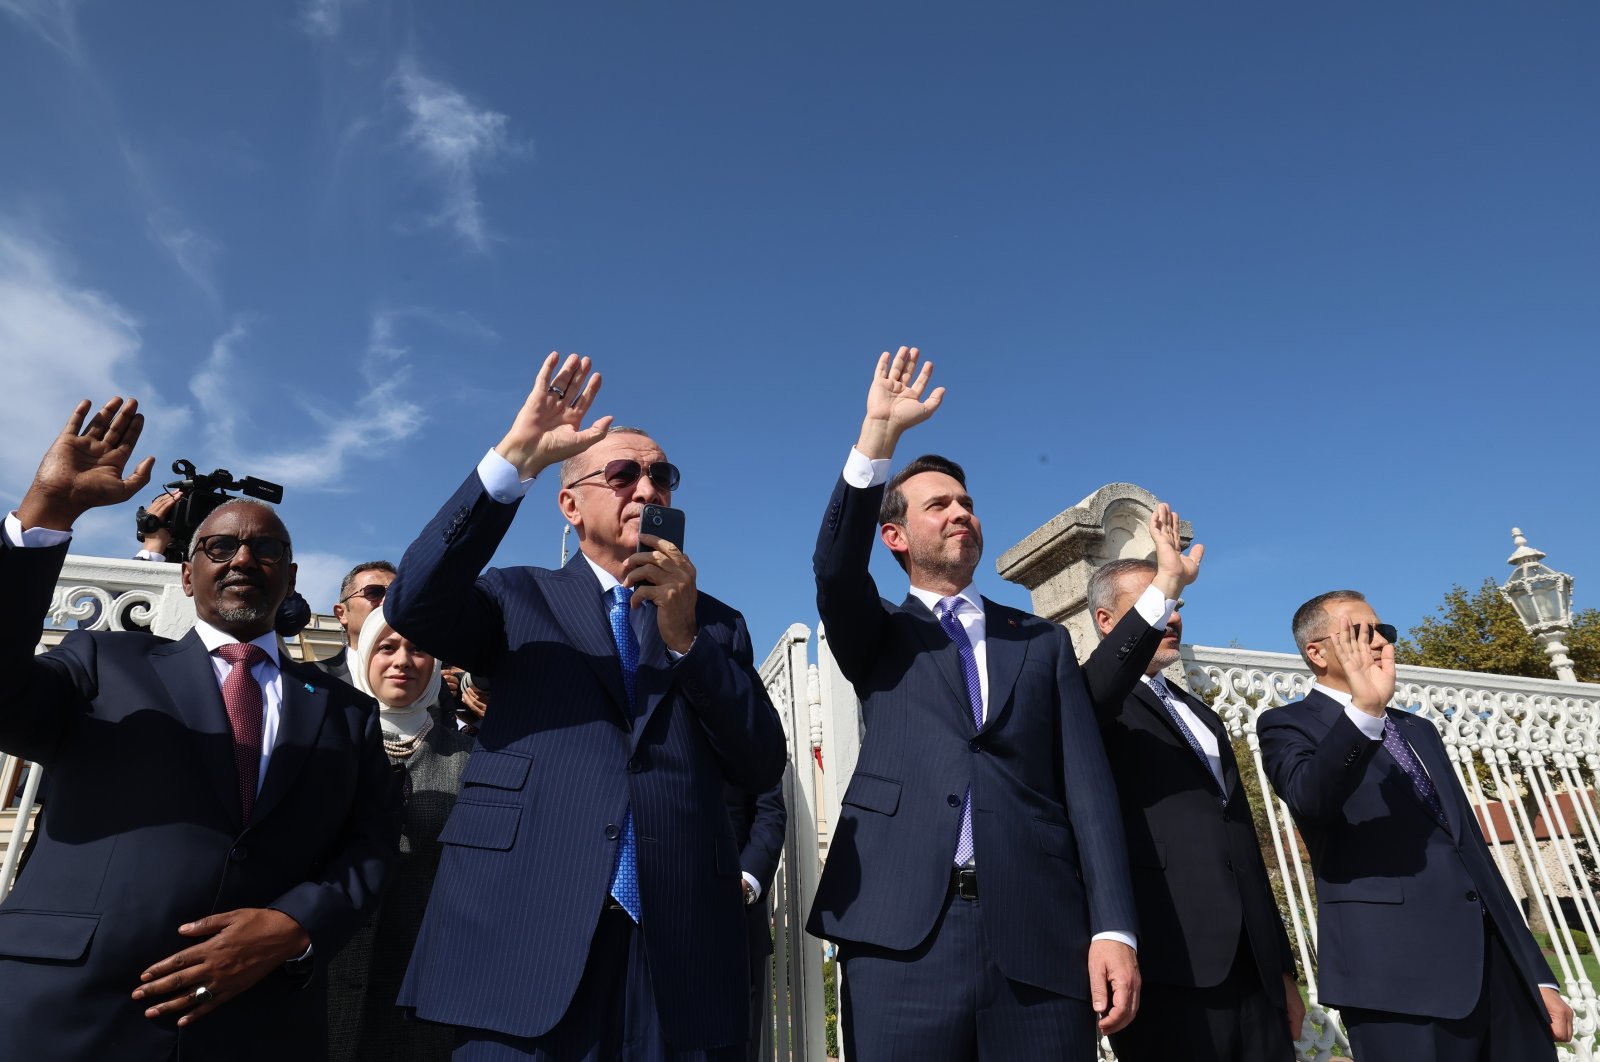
(1159,684)
(620,595)
(247,653)
(948,606)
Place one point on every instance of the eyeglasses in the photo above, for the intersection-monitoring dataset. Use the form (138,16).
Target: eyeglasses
(373,592)
(626,472)
(1385,630)
(221,548)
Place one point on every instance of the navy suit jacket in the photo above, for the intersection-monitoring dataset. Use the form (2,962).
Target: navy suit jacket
(143,833)
(1400,898)
(1052,868)
(760,822)
(530,847)
(1198,876)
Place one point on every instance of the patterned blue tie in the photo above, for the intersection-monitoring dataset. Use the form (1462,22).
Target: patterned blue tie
(946,610)
(1159,685)
(1407,759)
(625,878)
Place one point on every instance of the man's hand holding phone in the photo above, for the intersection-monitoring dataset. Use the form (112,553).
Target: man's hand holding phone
(660,572)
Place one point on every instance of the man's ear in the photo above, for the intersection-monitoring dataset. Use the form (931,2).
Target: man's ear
(1103,621)
(567,502)
(188,581)
(894,536)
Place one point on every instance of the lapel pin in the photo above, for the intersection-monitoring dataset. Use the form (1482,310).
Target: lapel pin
(310,688)
(1012,622)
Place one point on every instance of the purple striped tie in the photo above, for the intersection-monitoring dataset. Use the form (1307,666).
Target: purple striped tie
(947,609)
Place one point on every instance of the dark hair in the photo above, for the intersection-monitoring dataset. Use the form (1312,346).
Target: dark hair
(1311,619)
(364,566)
(893,508)
(1106,580)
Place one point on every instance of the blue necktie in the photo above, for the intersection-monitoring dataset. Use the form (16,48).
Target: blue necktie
(1407,759)
(625,878)
(948,606)
(1159,685)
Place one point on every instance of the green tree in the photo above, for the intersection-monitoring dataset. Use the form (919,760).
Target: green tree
(1480,632)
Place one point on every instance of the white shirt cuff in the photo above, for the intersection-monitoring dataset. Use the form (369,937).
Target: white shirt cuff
(33,537)
(861,471)
(755,886)
(499,479)
(1155,607)
(1120,938)
(1370,725)
(149,555)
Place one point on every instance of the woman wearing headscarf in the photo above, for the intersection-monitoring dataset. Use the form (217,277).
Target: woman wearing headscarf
(364,978)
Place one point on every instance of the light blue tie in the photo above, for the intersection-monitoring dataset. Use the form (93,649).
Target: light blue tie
(625,878)
(946,610)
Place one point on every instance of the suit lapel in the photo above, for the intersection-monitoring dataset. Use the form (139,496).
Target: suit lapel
(1438,768)
(185,669)
(300,719)
(1004,647)
(654,677)
(1148,698)
(579,607)
(946,658)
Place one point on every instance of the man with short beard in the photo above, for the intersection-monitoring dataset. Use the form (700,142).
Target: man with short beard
(220,818)
(976,881)
(1219,979)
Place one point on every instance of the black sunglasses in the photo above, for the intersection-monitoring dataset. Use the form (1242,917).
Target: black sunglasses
(221,548)
(373,592)
(626,472)
(1386,630)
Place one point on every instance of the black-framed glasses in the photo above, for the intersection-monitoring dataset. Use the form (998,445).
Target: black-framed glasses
(625,472)
(373,592)
(221,548)
(1386,630)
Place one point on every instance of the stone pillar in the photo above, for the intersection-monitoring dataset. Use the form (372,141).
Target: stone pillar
(1055,561)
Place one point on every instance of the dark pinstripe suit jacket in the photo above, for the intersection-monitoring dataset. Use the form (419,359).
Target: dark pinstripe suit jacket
(1052,868)
(1398,894)
(143,833)
(531,844)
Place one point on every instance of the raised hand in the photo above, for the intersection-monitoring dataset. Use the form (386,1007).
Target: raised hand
(82,470)
(1369,673)
(895,401)
(1174,571)
(548,428)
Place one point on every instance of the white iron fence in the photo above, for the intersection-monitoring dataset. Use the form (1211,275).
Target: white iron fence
(1527,752)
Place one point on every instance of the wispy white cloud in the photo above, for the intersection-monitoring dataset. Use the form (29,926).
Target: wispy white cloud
(194,253)
(61,341)
(322,19)
(317,576)
(54,20)
(457,140)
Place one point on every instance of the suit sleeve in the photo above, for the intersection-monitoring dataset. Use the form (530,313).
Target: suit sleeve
(1314,777)
(847,598)
(719,678)
(345,892)
(438,600)
(40,696)
(1092,802)
(1114,668)
(768,827)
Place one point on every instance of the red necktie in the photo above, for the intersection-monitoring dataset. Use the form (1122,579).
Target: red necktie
(241,695)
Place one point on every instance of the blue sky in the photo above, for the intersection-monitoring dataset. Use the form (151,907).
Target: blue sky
(1326,278)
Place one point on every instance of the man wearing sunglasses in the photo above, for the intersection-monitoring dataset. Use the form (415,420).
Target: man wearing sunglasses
(220,818)
(361,591)
(1422,946)
(590,889)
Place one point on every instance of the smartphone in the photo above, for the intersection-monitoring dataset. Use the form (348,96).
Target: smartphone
(663,522)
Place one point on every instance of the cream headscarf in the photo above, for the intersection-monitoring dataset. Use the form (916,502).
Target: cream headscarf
(399,721)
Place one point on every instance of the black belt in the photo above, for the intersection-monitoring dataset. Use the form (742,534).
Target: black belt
(964,881)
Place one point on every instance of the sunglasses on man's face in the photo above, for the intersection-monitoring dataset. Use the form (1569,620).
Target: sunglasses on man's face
(626,472)
(1384,630)
(221,548)
(372,592)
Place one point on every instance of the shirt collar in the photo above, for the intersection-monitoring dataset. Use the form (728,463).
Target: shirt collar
(607,580)
(969,599)
(1344,699)
(211,638)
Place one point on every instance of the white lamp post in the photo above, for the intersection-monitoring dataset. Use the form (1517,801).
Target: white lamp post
(1543,600)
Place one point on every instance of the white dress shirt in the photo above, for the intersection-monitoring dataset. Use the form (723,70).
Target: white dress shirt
(1204,736)
(861,472)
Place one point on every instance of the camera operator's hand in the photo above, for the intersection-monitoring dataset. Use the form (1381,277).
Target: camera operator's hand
(82,470)
(161,509)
